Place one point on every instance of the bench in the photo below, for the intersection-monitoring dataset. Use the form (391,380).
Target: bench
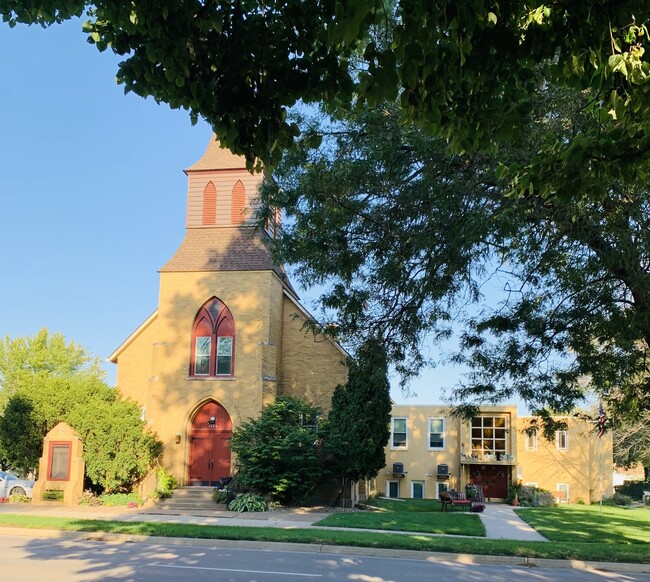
(454,499)
(560,497)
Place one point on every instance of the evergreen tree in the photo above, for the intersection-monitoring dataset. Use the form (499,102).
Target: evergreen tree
(359,421)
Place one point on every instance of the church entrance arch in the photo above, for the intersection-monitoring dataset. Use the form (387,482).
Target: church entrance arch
(210,444)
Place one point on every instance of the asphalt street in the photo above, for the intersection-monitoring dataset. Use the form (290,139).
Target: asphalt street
(34,559)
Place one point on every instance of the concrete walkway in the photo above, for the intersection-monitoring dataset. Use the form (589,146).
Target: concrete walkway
(500,521)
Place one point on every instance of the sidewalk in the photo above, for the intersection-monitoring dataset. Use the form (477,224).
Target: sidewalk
(500,521)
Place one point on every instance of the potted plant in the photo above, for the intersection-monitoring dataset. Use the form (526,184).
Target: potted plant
(471,491)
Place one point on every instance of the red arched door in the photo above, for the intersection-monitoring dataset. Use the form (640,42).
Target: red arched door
(210,445)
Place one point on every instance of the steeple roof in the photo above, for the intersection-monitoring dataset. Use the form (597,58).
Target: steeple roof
(217,157)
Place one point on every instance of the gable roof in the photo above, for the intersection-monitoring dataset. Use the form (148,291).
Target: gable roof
(127,342)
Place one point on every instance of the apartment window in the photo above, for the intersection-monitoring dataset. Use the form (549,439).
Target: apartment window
(531,440)
(399,435)
(436,433)
(489,437)
(561,440)
(392,489)
(563,491)
(417,489)
(441,488)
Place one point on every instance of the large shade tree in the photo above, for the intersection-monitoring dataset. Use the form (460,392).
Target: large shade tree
(407,237)
(464,70)
(45,380)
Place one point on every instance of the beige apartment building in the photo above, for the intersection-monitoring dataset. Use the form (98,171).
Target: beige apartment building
(430,451)
(227,335)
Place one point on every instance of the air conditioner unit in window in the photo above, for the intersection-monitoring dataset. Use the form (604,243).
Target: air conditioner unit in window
(443,471)
(398,468)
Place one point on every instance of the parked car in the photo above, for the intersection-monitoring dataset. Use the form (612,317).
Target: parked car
(12,485)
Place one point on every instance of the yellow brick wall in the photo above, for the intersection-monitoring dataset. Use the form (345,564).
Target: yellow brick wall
(420,464)
(312,366)
(578,465)
(137,365)
(154,368)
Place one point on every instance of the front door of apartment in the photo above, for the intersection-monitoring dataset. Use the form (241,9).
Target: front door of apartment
(492,478)
(210,445)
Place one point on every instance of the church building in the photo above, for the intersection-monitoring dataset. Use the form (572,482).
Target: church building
(227,336)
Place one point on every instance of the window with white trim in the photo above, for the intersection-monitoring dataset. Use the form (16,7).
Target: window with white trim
(563,488)
(561,440)
(436,434)
(531,440)
(399,432)
(417,489)
(392,489)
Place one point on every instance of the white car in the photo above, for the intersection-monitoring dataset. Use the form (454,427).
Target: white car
(12,485)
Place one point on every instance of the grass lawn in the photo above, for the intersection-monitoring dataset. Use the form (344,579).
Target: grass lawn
(414,515)
(585,523)
(597,551)
(414,505)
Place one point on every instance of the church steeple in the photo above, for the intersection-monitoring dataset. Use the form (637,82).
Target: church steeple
(220,189)
(221,214)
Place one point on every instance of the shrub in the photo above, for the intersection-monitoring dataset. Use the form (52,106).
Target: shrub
(279,454)
(633,489)
(53,495)
(17,498)
(120,499)
(166,484)
(90,499)
(616,499)
(247,502)
(220,495)
(530,496)
(477,507)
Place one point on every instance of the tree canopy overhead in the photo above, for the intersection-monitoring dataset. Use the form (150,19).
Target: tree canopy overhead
(464,70)
(407,239)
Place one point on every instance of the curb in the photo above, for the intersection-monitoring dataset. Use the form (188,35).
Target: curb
(464,559)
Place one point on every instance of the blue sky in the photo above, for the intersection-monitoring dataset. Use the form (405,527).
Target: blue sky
(92,194)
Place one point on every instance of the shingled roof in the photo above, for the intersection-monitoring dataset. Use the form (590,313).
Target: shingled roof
(224,249)
(216,157)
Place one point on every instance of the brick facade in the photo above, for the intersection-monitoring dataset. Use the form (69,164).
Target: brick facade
(273,354)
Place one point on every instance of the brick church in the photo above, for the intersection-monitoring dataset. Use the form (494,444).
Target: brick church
(227,336)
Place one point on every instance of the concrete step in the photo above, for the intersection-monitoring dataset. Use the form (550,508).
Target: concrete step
(189,500)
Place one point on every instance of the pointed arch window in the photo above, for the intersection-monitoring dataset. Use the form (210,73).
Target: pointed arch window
(213,341)
(209,204)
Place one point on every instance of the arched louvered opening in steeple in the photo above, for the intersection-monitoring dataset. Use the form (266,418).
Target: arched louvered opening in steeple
(238,203)
(209,204)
